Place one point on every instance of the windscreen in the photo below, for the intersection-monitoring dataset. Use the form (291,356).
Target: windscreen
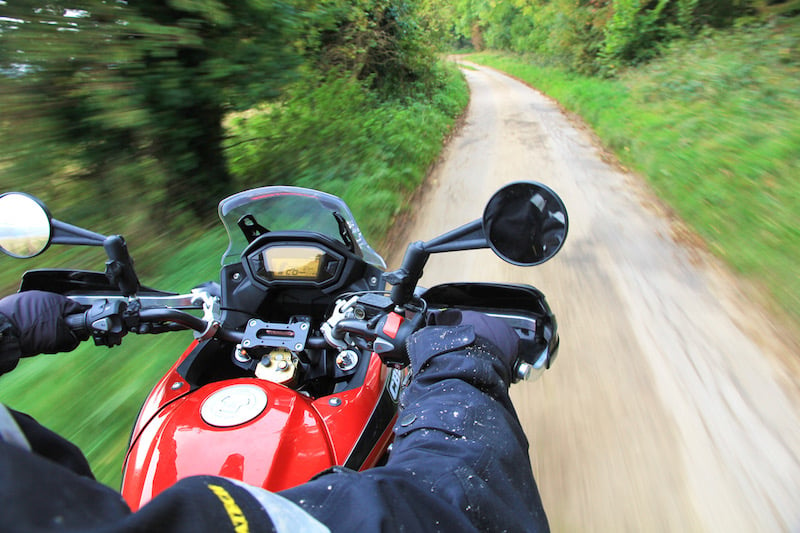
(292,209)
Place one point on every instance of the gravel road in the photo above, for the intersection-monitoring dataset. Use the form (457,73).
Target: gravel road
(674,404)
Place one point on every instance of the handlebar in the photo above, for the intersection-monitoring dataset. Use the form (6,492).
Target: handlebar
(190,321)
(111,317)
(379,330)
(114,324)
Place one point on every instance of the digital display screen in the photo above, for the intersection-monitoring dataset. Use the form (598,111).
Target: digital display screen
(302,263)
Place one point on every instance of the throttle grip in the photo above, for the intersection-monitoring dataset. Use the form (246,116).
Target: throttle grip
(77,323)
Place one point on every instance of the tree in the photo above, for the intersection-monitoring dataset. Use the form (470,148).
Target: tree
(387,42)
(131,95)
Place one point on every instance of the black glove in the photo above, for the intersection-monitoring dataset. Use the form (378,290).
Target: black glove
(37,321)
(490,329)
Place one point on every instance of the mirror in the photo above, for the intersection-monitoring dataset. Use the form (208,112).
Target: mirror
(525,223)
(24,225)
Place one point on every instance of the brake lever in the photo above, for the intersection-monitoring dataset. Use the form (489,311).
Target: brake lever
(211,313)
(390,345)
(388,335)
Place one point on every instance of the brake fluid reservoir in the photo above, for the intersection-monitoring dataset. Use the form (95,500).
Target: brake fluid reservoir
(278,366)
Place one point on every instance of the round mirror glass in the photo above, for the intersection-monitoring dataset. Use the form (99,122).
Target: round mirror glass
(24,225)
(525,223)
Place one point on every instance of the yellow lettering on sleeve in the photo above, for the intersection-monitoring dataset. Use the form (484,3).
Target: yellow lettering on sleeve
(235,513)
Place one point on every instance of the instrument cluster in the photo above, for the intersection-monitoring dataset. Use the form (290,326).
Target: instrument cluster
(295,263)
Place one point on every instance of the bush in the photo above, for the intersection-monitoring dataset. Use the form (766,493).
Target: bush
(591,36)
(334,134)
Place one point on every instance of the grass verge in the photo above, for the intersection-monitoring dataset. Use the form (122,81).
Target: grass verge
(337,136)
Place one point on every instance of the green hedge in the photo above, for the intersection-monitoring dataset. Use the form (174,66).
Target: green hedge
(336,135)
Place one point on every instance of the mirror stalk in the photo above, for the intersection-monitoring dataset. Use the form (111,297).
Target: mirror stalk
(467,237)
(64,233)
(119,267)
(405,278)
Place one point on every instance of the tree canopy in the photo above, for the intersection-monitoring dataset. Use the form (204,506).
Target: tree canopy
(126,99)
(595,36)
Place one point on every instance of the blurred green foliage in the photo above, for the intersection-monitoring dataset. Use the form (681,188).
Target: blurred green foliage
(113,111)
(333,133)
(138,117)
(598,36)
(127,99)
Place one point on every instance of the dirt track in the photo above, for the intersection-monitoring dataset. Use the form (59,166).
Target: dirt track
(661,413)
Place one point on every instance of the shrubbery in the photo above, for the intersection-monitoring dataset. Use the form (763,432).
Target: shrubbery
(119,126)
(333,133)
(592,36)
(127,99)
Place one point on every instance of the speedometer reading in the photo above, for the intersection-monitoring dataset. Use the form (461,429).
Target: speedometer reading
(299,263)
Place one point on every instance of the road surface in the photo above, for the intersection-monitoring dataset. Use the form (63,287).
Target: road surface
(673,405)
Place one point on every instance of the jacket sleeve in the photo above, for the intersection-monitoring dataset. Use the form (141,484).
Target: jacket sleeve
(460,458)
(45,484)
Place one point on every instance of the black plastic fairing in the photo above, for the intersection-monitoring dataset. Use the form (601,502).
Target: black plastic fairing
(487,296)
(84,282)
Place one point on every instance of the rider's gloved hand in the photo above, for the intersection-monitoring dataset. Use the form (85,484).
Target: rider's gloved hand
(487,328)
(478,327)
(37,323)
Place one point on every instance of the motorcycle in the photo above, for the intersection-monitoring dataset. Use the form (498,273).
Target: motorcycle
(299,356)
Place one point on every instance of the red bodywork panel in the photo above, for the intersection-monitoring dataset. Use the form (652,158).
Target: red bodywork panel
(290,441)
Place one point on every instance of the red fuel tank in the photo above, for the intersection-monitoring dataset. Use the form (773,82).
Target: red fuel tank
(257,431)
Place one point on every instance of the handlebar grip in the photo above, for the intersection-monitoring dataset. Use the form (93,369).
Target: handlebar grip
(77,323)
